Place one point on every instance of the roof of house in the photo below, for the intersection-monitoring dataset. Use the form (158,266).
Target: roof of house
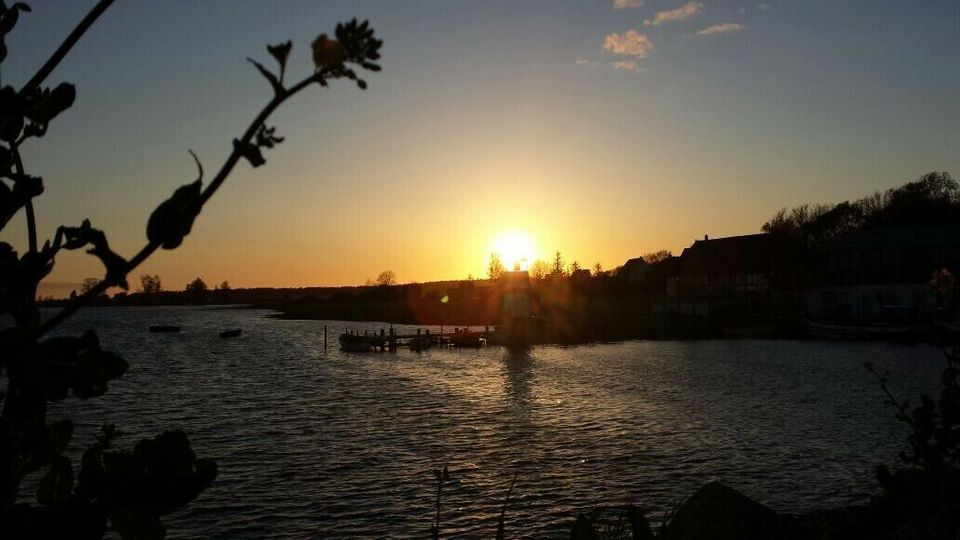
(635,263)
(730,255)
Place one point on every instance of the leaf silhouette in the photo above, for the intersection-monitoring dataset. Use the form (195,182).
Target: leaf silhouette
(78,237)
(11,114)
(173,219)
(271,78)
(77,365)
(44,105)
(266,137)
(250,152)
(11,200)
(281,52)
(8,19)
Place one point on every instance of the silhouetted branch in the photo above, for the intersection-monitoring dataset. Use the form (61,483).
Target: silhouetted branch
(115,487)
(902,408)
(65,47)
(75,304)
(274,81)
(28,207)
(34,83)
(252,131)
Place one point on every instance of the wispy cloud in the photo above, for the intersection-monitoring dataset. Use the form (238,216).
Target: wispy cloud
(721,29)
(629,43)
(627,4)
(763,7)
(683,12)
(626,65)
(585,62)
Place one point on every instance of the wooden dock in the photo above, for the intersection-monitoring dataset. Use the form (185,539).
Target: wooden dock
(390,340)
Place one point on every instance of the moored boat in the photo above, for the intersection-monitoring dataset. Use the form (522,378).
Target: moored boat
(420,342)
(357,343)
(231,333)
(467,340)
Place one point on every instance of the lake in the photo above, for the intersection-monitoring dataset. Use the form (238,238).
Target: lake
(315,443)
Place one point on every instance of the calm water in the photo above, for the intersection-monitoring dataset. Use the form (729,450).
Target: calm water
(327,444)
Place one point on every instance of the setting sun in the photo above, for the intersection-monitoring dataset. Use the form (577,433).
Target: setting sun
(522,244)
(516,249)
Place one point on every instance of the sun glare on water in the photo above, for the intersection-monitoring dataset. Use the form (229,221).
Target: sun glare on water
(517,249)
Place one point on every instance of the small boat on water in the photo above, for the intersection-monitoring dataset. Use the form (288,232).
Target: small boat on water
(160,328)
(230,333)
(358,343)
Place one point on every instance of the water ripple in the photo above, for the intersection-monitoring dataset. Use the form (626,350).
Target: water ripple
(324,444)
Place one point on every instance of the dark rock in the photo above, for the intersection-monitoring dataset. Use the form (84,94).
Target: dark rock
(639,524)
(718,512)
(583,529)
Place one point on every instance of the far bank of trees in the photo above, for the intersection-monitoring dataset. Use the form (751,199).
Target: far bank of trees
(932,199)
(150,284)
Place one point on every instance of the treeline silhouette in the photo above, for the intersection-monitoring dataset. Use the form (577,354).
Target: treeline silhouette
(572,304)
(932,199)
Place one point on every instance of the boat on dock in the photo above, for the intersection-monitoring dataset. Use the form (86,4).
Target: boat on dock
(420,342)
(160,328)
(357,343)
(464,339)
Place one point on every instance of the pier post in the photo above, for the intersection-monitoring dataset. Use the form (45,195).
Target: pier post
(324,338)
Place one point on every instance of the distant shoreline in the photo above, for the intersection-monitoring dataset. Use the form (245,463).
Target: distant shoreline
(786,329)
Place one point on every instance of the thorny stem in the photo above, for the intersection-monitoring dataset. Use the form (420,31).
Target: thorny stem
(215,184)
(65,47)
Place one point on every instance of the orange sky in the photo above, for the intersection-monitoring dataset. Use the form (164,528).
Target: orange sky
(603,133)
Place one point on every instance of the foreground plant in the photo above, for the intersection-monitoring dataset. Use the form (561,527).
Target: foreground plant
(122,490)
(922,496)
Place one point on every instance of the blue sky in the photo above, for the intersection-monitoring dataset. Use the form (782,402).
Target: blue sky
(603,132)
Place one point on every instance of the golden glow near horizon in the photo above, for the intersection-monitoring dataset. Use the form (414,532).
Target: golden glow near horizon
(595,153)
(517,249)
